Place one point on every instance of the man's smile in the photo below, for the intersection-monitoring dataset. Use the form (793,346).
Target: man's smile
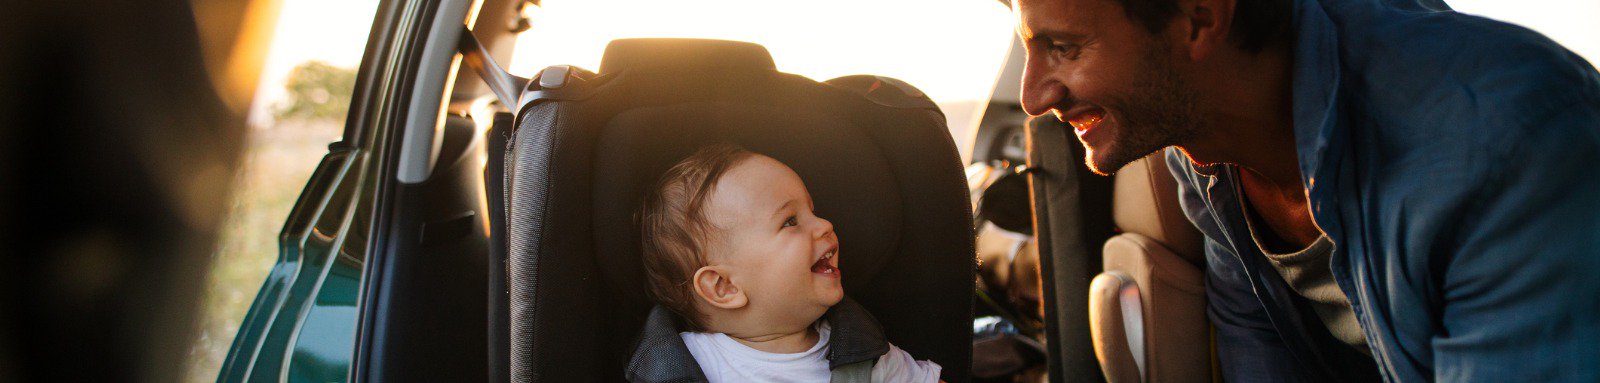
(1083,119)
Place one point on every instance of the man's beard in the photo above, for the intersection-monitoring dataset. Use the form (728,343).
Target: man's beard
(1159,111)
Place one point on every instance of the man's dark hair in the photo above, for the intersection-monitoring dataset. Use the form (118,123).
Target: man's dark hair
(1255,22)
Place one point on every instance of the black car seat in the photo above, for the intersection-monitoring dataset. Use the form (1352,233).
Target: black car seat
(874,152)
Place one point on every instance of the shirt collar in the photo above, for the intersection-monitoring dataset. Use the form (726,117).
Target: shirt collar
(1316,86)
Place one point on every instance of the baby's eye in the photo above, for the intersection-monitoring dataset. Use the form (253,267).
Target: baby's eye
(791,222)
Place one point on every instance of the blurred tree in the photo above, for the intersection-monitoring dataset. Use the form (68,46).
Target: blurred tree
(318,91)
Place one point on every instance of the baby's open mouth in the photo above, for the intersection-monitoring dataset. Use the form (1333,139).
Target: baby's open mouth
(828,264)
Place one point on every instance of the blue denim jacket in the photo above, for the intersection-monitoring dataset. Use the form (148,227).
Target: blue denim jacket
(1452,160)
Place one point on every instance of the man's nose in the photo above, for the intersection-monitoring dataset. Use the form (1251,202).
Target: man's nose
(1040,89)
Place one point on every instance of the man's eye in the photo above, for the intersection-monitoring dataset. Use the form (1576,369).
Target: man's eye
(1064,50)
(791,222)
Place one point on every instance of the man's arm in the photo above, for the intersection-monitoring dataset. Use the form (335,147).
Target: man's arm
(1521,295)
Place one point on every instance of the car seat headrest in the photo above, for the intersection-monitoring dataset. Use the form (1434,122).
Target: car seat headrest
(886,91)
(1146,203)
(671,55)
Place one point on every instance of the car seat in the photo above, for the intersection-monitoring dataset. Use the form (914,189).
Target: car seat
(1121,248)
(874,152)
(1147,311)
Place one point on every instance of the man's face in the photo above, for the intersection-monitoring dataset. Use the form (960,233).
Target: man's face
(773,244)
(1108,77)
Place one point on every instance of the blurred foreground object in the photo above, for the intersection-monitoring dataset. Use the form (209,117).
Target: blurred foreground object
(117,149)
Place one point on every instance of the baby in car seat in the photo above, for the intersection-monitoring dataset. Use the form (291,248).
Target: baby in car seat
(747,283)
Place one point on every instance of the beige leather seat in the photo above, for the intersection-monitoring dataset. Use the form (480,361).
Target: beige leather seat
(1147,310)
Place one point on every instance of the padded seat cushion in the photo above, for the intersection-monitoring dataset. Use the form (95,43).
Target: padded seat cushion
(1146,203)
(1175,342)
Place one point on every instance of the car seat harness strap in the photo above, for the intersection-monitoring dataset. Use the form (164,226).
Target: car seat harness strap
(858,372)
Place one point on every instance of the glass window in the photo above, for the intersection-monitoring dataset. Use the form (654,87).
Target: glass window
(299,108)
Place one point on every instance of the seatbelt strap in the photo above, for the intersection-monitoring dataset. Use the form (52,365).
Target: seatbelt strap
(506,86)
(858,372)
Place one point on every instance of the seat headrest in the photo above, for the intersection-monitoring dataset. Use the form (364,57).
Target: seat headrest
(1146,202)
(672,55)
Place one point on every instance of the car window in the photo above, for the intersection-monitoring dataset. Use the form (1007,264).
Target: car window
(300,107)
(950,49)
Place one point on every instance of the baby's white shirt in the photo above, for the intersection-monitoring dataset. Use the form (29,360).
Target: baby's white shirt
(724,359)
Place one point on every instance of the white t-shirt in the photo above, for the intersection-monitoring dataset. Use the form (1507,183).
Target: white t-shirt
(724,359)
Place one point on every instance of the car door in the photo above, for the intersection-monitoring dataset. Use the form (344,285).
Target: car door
(389,234)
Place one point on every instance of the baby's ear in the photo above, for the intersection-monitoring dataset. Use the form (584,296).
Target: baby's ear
(711,284)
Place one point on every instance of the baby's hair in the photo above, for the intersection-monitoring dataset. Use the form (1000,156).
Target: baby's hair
(673,229)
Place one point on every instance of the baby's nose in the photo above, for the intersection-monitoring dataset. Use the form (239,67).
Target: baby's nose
(823,227)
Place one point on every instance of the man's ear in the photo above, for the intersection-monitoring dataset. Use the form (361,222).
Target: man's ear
(1205,25)
(712,285)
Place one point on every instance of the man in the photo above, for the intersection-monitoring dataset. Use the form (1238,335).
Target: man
(1386,188)
(117,156)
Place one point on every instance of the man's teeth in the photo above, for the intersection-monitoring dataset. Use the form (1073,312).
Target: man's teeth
(1086,120)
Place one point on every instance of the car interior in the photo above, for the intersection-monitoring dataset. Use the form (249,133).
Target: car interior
(1147,309)
(588,146)
(506,248)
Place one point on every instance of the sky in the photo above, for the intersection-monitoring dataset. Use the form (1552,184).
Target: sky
(332,31)
(951,49)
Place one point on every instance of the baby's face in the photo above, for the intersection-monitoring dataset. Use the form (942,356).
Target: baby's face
(783,256)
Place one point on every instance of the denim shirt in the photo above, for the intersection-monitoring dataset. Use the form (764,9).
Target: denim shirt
(1450,158)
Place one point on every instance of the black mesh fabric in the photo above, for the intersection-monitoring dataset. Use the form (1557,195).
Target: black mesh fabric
(528,188)
(888,177)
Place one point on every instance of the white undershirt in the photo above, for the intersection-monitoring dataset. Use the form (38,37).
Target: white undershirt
(724,359)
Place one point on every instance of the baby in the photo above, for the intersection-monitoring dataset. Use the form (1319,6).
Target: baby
(734,250)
